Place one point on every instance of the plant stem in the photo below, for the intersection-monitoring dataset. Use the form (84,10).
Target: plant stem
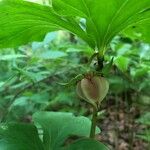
(93,126)
(100,60)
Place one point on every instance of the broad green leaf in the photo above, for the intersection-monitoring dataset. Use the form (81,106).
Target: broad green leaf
(140,31)
(58,126)
(104,19)
(19,137)
(122,63)
(87,144)
(23,22)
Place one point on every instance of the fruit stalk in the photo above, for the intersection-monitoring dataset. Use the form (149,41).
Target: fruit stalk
(93,126)
(93,89)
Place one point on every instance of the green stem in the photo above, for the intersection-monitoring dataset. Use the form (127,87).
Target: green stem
(100,60)
(93,126)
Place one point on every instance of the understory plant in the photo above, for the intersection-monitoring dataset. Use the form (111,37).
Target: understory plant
(96,22)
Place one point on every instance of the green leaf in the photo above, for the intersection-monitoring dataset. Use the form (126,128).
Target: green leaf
(58,126)
(10,57)
(141,72)
(23,22)
(140,30)
(104,19)
(145,135)
(49,54)
(144,119)
(87,144)
(122,63)
(19,137)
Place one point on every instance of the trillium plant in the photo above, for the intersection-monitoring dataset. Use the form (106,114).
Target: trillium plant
(96,22)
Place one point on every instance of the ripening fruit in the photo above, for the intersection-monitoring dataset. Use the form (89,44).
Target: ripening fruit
(93,89)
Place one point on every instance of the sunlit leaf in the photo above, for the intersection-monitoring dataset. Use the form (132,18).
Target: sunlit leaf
(23,22)
(58,126)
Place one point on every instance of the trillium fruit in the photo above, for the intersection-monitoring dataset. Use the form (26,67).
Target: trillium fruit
(93,89)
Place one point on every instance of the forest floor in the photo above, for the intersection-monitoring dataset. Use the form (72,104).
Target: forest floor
(119,128)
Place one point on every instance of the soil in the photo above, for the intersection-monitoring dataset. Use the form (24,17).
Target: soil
(119,128)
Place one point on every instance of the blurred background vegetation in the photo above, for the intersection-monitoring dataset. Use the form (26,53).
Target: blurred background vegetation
(30,77)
